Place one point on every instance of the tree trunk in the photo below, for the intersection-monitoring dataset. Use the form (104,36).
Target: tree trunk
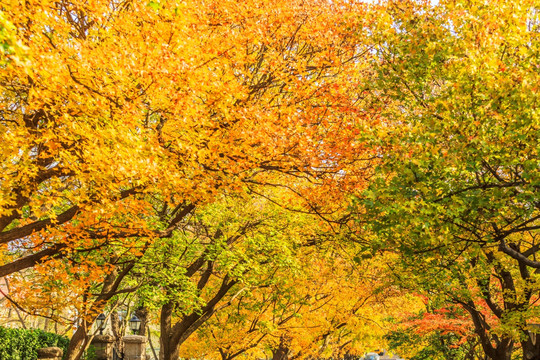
(165,327)
(78,343)
(494,348)
(170,354)
(282,352)
(501,353)
(117,331)
(142,314)
(531,347)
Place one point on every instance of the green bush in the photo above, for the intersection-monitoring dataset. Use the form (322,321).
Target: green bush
(90,353)
(21,344)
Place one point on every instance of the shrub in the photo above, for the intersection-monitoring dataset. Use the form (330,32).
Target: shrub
(21,344)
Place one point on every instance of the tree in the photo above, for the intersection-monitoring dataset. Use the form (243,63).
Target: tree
(439,334)
(458,184)
(329,307)
(224,250)
(180,121)
(11,49)
(129,115)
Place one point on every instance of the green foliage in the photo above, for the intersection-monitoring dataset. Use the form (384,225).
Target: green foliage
(21,344)
(456,191)
(10,48)
(462,125)
(90,353)
(245,239)
(434,346)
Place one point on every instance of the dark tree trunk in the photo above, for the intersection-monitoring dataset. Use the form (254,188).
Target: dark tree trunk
(282,352)
(142,314)
(165,351)
(494,348)
(531,347)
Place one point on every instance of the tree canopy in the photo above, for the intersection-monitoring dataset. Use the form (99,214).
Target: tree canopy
(295,178)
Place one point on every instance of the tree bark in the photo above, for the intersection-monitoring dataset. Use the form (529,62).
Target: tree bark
(78,342)
(531,347)
(142,314)
(282,352)
(165,352)
(117,330)
(494,348)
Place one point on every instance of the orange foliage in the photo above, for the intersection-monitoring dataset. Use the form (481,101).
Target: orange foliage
(123,105)
(330,308)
